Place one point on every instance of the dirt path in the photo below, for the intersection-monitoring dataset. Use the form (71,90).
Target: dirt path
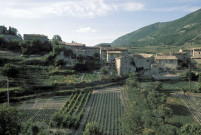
(193,103)
(85,115)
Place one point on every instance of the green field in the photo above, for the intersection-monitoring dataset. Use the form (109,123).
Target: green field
(106,111)
(171,85)
(181,114)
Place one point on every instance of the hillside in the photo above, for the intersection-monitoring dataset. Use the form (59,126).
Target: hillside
(184,30)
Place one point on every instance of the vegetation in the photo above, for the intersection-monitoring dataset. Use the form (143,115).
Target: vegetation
(71,114)
(27,47)
(147,112)
(176,33)
(106,111)
(8,123)
(92,129)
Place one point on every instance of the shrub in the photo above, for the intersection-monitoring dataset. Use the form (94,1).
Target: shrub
(92,129)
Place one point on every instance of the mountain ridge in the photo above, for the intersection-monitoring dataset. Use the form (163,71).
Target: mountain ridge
(178,32)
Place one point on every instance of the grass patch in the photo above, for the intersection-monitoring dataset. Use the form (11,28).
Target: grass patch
(171,85)
(10,89)
(181,115)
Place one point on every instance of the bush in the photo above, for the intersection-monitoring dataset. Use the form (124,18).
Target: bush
(60,63)
(57,119)
(10,70)
(92,129)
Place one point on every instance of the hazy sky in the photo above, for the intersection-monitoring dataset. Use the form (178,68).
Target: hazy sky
(90,21)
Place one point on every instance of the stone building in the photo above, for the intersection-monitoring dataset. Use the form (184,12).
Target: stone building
(196,58)
(189,52)
(124,65)
(110,53)
(143,62)
(167,62)
(40,37)
(140,62)
(77,48)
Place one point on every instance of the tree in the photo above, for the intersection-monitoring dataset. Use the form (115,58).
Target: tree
(191,129)
(57,38)
(8,120)
(92,129)
(10,71)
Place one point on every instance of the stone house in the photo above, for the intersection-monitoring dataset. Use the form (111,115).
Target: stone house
(167,62)
(77,48)
(189,52)
(108,53)
(124,65)
(196,58)
(40,37)
(134,63)
(142,62)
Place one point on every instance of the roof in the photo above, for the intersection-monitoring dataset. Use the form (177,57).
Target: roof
(181,50)
(197,49)
(92,48)
(37,35)
(144,55)
(113,49)
(114,52)
(166,58)
(72,44)
(195,57)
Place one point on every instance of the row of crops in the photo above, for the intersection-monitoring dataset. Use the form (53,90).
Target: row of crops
(106,111)
(36,115)
(72,112)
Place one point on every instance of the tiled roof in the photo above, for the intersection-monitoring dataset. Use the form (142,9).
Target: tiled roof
(114,52)
(145,55)
(166,58)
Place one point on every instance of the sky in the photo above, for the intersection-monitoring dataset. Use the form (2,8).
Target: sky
(90,21)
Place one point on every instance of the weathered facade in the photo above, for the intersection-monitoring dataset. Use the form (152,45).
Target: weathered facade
(124,65)
(108,53)
(134,63)
(168,62)
(189,52)
(196,58)
(40,37)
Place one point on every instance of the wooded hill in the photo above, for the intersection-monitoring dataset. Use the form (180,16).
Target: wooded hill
(177,33)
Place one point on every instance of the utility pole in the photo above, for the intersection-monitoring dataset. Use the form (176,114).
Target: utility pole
(189,75)
(8,91)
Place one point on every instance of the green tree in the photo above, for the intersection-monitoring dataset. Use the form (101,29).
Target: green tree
(10,70)
(8,120)
(92,129)
(191,129)
(57,38)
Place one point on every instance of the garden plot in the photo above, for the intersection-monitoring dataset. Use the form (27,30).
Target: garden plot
(55,102)
(40,109)
(105,108)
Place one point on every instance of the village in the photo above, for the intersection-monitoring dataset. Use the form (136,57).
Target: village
(67,99)
(157,66)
